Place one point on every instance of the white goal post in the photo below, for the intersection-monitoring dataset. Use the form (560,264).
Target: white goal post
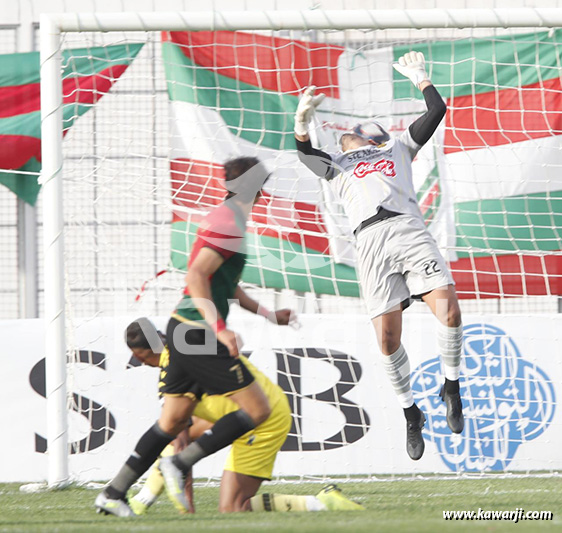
(51,27)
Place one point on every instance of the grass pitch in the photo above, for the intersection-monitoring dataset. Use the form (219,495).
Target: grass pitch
(392,506)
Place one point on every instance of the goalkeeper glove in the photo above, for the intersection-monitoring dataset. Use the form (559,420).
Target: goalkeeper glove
(412,65)
(307,105)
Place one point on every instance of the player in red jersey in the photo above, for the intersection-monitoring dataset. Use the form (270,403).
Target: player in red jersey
(203,351)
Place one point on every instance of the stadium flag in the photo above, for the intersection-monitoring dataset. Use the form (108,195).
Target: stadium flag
(488,183)
(501,147)
(87,75)
(234,94)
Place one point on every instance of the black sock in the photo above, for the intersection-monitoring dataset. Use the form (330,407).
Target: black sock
(114,494)
(148,448)
(146,452)
(412,413)
(452,387)
(225,431)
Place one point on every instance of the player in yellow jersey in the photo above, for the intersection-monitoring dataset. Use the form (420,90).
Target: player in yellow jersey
(252,455)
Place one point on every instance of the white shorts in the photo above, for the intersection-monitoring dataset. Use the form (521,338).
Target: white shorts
(398,259)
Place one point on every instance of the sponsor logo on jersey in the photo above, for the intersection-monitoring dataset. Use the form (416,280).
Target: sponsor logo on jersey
(369,153)
(384,166)
(362,154)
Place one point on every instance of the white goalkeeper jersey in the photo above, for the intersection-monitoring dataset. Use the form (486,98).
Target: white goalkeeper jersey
(370,177)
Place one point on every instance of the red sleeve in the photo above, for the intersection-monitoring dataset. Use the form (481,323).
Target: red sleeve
(222,242)
(220,233)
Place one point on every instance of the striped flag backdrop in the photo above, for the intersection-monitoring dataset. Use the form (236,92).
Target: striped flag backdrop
(87,75)
(489,183)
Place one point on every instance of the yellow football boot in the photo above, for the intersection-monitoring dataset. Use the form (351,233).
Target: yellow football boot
(332,497)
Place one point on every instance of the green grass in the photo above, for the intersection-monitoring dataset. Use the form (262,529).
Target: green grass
(393,506)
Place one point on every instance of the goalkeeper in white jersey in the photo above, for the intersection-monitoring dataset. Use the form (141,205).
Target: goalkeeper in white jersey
(398,259)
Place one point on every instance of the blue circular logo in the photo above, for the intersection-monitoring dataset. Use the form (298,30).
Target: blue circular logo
(507,401)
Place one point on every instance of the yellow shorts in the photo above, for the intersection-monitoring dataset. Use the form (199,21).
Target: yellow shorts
(254,453)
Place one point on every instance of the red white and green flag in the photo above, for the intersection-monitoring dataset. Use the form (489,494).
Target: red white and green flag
(87,75)
(236,94)
(489,183)
(501,160)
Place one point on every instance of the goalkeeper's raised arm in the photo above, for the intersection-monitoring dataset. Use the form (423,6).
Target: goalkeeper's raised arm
(316,160)
(412,66)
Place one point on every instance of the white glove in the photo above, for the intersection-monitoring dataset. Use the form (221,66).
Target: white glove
(307,105)
(412,65)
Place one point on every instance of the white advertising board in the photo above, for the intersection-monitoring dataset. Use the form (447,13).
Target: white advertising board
(347,418)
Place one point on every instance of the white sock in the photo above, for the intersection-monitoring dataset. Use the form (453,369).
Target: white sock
(449,341)
(397,367)
(314,504)
(146,496)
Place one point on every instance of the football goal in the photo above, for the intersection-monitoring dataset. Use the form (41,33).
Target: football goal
(139,113)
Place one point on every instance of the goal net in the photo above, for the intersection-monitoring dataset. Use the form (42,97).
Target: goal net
(145,138)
